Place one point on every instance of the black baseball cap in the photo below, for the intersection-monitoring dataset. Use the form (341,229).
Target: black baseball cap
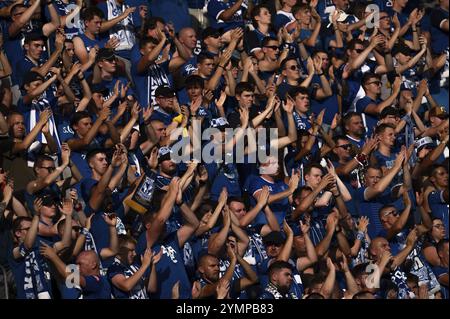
(211,32)
(31,77)
(274,237)
(164,91)
(105,54)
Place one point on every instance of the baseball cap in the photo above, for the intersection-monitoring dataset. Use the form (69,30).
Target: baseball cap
(211,32)
(274,237)
(221,123)
(31,77)
(164,91)
(422,142)
(439,112)
(105,54)
(164,154)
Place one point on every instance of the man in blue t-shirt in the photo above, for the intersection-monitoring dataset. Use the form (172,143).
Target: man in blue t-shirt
(371,105)
(375,193)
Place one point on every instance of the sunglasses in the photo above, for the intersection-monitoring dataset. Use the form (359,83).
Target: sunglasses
(393,212)
(76,228)
(346,146)
(293,67)
(359,50)
(273,47)
(375,82)
(49,168)
(215,36)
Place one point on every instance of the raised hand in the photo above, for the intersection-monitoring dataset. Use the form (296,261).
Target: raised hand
(363,222)
(288,106)
(287,229)
(264,196)
(65,153)
(146,259)
(304,227)
(244,115)
(222,288)
(147,113)
(67,207)
(112,43)
(47,251)
(223,196)
(37,205)
(221,100)
(135,110)
(110,219)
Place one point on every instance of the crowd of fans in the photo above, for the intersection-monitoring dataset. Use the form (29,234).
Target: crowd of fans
(349,199)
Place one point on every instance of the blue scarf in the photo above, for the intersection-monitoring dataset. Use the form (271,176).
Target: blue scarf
(36,283)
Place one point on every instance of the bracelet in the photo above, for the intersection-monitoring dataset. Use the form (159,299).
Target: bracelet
(360,235)
(221,66)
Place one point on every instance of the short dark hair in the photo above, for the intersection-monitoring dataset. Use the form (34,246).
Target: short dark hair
(194,81)
(89,13)
(352,44)
(257,11)
(266,41)
(340,137)
(382,127)
(348,116)
(283,63)
(278,265)
(42,158)
(369,75)
(204,256)
(298,90)
(78,116)
(309,167)
(94,152)
(151,23)
(315,295)
(435,167)
(244,86)
(301,6)
(204,56)
(16,225)
(145,40)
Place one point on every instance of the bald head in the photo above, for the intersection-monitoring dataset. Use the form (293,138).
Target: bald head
(188,37)
(88,262)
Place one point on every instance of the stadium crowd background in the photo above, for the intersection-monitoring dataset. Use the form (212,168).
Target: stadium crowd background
(352,201)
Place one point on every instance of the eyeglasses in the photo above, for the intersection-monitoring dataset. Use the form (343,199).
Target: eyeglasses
(293,67)
(49,168)
(346,146)
(375,82)
(273,47)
